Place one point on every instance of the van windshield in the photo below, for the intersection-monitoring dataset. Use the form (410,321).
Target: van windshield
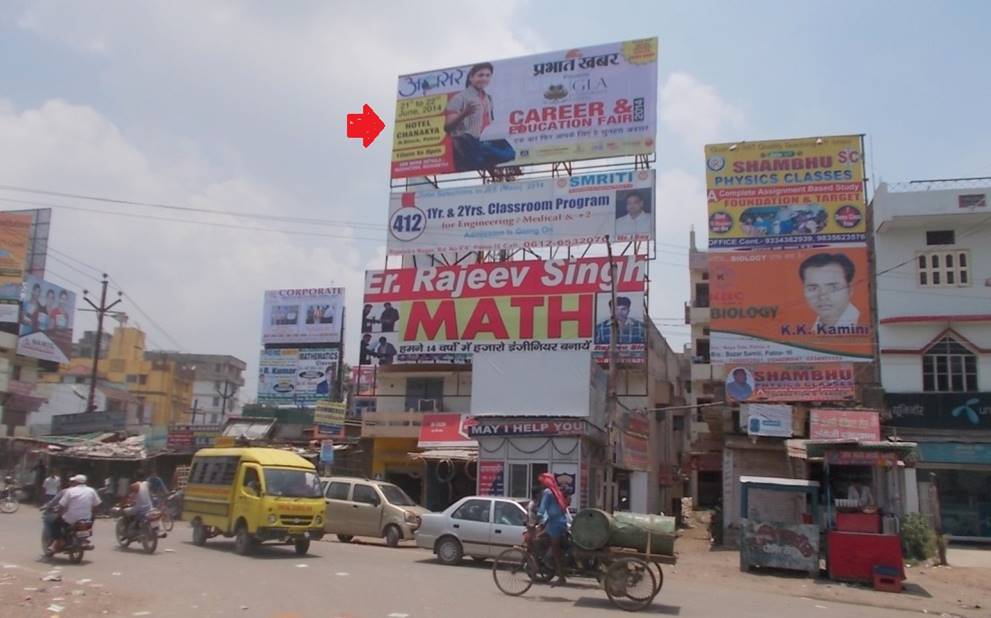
(396,496)
(292,483)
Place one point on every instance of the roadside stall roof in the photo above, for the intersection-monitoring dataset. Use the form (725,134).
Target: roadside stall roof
(774,480)
(816,449)
(444,454)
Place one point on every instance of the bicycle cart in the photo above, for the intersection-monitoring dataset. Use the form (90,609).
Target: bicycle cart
(631,579)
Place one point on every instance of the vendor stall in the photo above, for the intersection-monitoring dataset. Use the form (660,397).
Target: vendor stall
(779,530)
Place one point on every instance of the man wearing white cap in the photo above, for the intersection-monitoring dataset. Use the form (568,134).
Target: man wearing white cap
(77,503)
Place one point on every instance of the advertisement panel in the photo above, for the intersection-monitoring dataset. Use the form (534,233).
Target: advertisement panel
(515,215)
(763,419)
(802,305)
(15,231)
(582,103)
(445,314)
(445,430)
(828,424)
(296,377)
(47,313)
(191,436)
(953,411)
(363,381)
(491,478)
(790,382)
(786,193)
(328,417)
(303,315)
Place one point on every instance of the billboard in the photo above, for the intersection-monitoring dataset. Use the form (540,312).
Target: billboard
(515,215)
(801,305)
(582,103)
(764,419)
(47,313)
(15,230)
(303,315)
(786,193)
(296,377)
(328,417)
(445,314)
(790,382)
(827,424)
(445,431)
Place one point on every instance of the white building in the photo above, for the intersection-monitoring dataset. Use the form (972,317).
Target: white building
(216,387)
(933,263)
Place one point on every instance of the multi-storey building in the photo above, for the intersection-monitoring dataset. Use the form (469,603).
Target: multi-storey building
(933,268)
(217,383)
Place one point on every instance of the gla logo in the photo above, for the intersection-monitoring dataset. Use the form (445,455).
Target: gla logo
(716,163)
(968,410)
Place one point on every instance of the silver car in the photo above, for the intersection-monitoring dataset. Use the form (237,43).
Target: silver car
(476,526)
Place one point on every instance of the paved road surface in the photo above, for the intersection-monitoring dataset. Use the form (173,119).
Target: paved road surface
(358,581)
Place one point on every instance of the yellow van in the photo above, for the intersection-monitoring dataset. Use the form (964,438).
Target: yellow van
(254,495)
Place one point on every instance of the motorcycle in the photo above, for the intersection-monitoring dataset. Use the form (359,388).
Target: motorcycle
(9,499)
(131,528)
(75,539)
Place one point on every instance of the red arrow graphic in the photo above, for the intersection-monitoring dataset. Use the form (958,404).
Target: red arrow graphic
(367,125)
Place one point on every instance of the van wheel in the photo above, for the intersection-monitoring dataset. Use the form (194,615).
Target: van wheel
(449,550)
(302,546)
(199,533)
(393,535)
(244,543)
(344,538)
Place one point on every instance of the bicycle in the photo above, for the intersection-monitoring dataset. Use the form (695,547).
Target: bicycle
(8,499)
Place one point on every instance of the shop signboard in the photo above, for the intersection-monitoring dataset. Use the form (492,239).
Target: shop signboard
(446,431)
(955,453)
(786,193)
(581,103)
(88,422)
(328,417)
(303,315)
(15,229)
(528,428)
(491,478)
(963,411)
(445,314)
(763,419)
(790,382)
(593,208)
(191,436)
(296,376)
(327,452)
(634,433)
(828,424)
(842,457)
(47,314)
(801,305)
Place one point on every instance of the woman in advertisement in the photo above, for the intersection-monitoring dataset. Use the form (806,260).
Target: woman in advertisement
(466,117)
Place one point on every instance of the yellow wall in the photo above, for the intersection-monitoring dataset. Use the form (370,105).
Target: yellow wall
(393,454)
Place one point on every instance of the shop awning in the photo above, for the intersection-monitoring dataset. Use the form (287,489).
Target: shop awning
(445,454)
(816,449)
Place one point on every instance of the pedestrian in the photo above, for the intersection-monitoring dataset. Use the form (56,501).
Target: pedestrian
(51,486)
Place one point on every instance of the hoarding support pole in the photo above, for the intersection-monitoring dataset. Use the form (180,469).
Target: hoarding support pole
(101,311)
(611,400)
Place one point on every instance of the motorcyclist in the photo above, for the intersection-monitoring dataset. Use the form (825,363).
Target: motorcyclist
(553,506)
(138,502)
(77,504)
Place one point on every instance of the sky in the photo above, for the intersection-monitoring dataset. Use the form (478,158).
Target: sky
(240,107)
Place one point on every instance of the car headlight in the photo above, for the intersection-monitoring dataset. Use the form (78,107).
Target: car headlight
(272,518)
(412,519)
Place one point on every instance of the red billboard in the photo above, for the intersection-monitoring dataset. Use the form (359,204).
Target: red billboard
(445,430)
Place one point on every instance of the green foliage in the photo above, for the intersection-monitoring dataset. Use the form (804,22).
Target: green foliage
(918,538)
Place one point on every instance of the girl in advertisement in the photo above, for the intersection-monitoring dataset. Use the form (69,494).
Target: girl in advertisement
(467,115)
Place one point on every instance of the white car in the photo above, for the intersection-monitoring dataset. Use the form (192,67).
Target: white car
(476,526)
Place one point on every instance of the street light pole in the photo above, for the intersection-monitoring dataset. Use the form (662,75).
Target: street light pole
(101,311)
(611,399)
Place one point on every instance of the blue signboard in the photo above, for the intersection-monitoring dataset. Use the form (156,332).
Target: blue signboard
(954,452)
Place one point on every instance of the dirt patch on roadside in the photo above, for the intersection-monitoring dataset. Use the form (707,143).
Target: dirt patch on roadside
(43,590)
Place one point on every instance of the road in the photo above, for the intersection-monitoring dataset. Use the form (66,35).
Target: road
(348,581)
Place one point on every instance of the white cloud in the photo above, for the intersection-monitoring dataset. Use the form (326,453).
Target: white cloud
(696,113)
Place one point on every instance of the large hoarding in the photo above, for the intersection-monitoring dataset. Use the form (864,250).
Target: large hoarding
(303,315)
(790,382)
(296,377)
(445,314)
(802,305)
(515,215)
(47,314)
(582,103)
(786,193)
(15,230)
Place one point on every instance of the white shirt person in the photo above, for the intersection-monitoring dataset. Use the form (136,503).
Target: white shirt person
(637,222)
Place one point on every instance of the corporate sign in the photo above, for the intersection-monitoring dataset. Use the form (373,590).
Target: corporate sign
(445,314)
(529,428)
(303,315)
(583,103)
(618,206)
(939,410)
(446,431)
(296,377)
(47,313)
(799,305)
(786,193)
(761,419)
(790,382)
(14,239)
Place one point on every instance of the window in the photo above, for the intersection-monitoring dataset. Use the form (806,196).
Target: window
(944,268)
(132,379)
(338,491)
(701,294)
(142,379)
(509,514)
(974,200)
(421,389)
(251,479)
(216,401)
(940,237)
(523,478)
(949,367)
(366,495)
(473,510)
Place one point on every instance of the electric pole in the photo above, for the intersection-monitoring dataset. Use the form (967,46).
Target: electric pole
(228,392)
(100,311)
(611,399)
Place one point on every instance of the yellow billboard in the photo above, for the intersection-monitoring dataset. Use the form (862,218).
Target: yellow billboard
(15,231)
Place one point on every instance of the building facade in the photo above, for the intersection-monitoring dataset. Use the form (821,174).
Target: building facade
(933,265)
(217,383)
